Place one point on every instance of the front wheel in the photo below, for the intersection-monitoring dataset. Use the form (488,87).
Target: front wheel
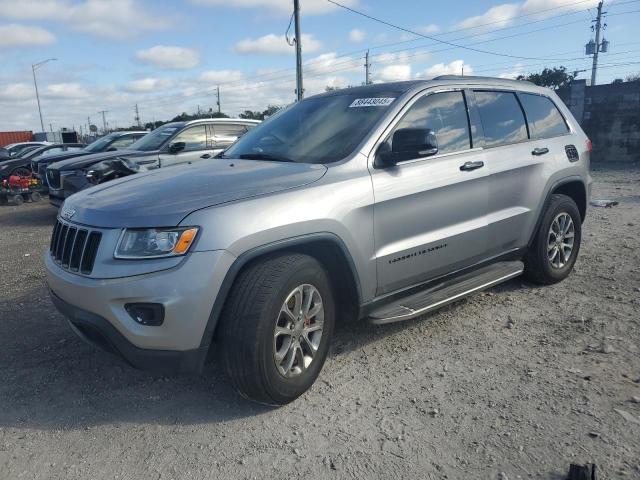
(555,247)
(276,327)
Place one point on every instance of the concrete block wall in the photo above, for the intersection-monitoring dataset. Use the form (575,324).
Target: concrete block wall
(610,116)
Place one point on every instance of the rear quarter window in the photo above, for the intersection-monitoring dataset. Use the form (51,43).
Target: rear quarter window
(543,116)
(502,118)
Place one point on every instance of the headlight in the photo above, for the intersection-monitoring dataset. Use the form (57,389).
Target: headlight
(155,242)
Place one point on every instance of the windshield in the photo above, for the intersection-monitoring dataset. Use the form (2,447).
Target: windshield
(323,129)
(101,143)
(157,138)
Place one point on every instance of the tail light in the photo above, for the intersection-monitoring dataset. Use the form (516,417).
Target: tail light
(589,146)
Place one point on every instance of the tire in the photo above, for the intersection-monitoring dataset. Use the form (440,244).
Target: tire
(546,265)
(17,199)
(35,197)
(251,314)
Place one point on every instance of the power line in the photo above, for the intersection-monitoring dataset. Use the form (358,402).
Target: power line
(429,37)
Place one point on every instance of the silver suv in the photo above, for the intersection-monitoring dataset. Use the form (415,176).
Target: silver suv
(381,202)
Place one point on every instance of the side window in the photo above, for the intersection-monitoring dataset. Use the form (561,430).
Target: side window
(228,133)
(502,118)
(52,151)
(543,116)
(446,114)
(194,138)
(122,142)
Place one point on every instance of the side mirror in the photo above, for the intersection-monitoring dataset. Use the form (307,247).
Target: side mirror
(111,149)
(407,144)
(177,147)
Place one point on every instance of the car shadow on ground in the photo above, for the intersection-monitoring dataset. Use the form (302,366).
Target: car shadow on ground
(51,379)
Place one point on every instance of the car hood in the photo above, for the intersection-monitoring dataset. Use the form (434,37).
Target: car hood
(163,197)
(85,160)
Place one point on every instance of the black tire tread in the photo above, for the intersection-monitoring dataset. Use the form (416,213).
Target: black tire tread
(534,267)
(256,282)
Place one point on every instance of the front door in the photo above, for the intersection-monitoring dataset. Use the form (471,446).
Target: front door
(430,213)
(190,145)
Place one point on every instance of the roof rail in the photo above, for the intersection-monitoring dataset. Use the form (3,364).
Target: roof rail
(472,77)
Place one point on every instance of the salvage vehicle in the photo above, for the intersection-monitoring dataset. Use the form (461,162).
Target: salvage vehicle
(382,202)
(16,148)
(112,142)
(20,165)
(171,144)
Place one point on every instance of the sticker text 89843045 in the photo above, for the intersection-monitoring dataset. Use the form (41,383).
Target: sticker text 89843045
(371,102)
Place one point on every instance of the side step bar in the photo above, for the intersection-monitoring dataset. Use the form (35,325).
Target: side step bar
(446,292)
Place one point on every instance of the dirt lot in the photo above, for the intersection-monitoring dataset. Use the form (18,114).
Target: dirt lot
(520,379)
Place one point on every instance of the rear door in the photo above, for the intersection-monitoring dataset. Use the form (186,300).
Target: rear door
(519,155)
(196,143)
(429,213)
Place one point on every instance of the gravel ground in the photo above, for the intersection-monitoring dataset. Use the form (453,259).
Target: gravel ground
(516,382)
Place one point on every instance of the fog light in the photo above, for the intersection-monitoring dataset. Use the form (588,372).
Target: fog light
(149,314)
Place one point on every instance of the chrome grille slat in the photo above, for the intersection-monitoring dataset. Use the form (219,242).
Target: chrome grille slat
(74,248)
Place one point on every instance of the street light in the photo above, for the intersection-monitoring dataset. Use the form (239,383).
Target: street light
(34,67)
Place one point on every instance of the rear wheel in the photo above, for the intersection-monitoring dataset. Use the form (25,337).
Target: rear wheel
(555,248)
(277,325)
(17,199)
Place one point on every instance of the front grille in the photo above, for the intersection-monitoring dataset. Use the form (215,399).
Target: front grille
(74,248)
(53,178)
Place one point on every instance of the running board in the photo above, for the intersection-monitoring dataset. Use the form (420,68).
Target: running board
(446,292)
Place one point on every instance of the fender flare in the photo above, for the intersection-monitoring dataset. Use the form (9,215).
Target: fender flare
(547,198)
(255,252)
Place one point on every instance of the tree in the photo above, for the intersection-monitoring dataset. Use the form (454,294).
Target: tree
(555,77)
(634,77)
(251,115)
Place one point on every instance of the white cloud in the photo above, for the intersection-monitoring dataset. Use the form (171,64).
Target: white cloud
(453,68)
(503,15)
(172,58)
(518,69)
(431,28)
(281,7)
(392,73)
(356,35)
(276,45)
(105,18)
(148,85)
(65,90)
(16,92)
(220,76)
(14,35)
(329,62)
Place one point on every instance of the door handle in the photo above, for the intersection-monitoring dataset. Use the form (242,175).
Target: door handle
(540,151)
(468,166)
(206,155)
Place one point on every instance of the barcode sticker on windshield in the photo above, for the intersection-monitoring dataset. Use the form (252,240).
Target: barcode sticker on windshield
(371,102)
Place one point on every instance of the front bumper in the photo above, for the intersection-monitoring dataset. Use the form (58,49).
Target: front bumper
(95,309)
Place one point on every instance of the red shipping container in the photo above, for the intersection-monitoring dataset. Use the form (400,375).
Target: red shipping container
(15,137)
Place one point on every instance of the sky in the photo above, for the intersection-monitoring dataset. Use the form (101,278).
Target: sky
(170,56)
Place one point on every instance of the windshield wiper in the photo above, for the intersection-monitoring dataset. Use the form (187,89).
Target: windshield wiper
(264,156)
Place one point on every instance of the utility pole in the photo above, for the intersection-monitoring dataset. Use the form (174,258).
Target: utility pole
(104,121)
(598,45)
(218,101)
(367,69)
(34,67)
(137,117)
(296,17)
